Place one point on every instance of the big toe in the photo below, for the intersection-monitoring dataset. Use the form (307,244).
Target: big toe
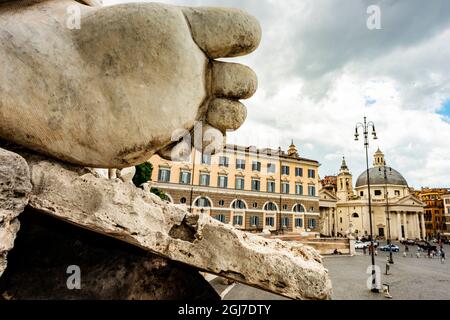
(223,32)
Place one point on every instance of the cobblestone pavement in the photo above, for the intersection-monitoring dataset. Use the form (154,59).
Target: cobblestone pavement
(409,278)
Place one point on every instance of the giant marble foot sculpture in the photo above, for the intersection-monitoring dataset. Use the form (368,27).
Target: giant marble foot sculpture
(118,89)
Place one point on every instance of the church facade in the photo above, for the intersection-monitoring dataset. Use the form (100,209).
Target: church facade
(396,212)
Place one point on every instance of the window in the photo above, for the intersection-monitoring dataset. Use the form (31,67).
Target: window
(240,164)
(271,168)
(284,222)
(285,206)
(256,166)
(312,191)
(270,186)
(340,220)
(183,200)
(164,175)
(239,204)
(285,187)
(378,192)
(311,173)
(298,222)
(311,223)
(220,217)
(203,203)
(239,183)
(299,172)
(255,205)
(355,215)
(447,201)
(222,182)
(397,193)
(255,185)
(221,203)
(299,208)
(238,220)
(204,179)
(254,221)
(270,221)
(206,159)
(224,161)
(361,193)
(285,170)
(299,189)
(185,177)
(270,206)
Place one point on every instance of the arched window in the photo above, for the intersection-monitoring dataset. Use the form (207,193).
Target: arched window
(270,206)
(238,204)
(299,208)
(355,215)
(203,202)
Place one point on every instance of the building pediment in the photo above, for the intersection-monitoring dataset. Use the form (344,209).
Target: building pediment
(409,200)
(326,195)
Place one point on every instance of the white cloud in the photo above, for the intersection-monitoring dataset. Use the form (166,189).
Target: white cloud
(321,70)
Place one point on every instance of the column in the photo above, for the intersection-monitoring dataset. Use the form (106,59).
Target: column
(422,222)
(405,224)
(399,226)
(417,224)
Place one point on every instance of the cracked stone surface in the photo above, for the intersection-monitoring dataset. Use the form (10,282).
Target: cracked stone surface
(15,187)
(109,269)
(133,215)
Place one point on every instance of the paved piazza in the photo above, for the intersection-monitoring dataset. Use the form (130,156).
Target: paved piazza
(410,278)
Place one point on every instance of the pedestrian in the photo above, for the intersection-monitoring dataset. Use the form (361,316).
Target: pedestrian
(364,250)
(406,248)
(442,256)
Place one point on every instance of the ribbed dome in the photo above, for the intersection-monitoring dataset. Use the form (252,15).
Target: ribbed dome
(376,175)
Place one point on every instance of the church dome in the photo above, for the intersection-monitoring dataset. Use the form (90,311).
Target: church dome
(376,175)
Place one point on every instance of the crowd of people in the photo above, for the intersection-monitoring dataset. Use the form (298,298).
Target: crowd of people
(430,253)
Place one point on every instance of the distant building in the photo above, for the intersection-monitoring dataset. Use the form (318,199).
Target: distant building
(252,189)
(434,210)
(446,199)
(406,212)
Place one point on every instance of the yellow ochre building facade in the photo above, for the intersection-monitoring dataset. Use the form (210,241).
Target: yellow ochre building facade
(253,189)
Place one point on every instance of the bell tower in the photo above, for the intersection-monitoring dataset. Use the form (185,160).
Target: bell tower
(344,182)
(378,160)
(292,151)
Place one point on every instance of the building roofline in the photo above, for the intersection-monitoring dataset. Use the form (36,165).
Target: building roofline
(267,152)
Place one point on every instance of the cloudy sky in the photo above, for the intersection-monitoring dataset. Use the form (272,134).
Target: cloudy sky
(321,70)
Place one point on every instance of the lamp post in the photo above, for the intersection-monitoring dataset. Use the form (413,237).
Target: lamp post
(386,193)
(365,126)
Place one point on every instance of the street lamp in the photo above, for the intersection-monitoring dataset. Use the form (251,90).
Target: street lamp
(386,193)
(365,126)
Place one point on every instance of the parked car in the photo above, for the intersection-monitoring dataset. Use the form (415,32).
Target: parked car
(389,247)
(376,243)
(360,245)
(408,242)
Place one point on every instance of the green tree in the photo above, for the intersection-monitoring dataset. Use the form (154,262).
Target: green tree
(143,174)
(159,193)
